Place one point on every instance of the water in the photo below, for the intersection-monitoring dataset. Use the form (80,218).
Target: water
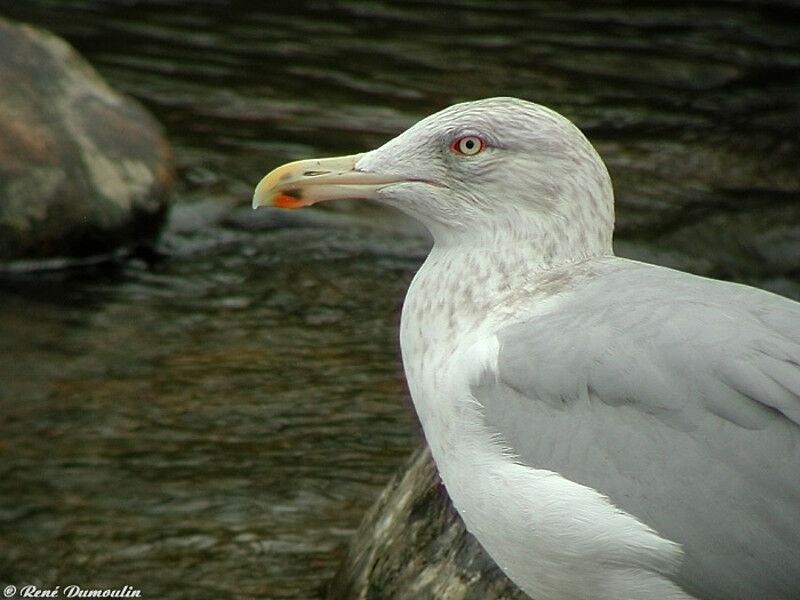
(209,427)
(214,422)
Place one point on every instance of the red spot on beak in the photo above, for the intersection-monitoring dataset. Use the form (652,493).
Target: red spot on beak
(284,201)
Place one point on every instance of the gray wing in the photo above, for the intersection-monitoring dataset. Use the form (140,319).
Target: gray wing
(679,398)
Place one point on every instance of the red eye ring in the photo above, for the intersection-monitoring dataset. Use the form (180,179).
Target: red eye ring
(467,145)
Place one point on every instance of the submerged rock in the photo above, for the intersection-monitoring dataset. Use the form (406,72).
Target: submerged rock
(413,545)
(83,170)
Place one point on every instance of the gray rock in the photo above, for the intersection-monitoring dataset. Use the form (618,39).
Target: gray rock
(413,545)
(83,170)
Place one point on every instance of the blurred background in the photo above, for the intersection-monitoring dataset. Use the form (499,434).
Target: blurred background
(210,415)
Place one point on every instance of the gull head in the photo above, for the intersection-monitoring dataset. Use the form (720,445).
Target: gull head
(472,173)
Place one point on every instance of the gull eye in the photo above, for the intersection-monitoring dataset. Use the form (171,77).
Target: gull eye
(467,145)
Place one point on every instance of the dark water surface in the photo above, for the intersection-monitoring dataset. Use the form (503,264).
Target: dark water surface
(213,424)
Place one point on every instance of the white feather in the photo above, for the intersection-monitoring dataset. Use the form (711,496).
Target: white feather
(590,415)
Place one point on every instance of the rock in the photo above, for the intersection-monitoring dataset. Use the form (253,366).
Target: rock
(413,545)
(83,170)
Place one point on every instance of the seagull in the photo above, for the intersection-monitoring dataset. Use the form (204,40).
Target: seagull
(606,428)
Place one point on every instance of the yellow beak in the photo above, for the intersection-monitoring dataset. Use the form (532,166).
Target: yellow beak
(306,182)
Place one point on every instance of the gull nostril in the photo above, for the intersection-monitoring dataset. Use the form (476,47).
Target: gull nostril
(314,173)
